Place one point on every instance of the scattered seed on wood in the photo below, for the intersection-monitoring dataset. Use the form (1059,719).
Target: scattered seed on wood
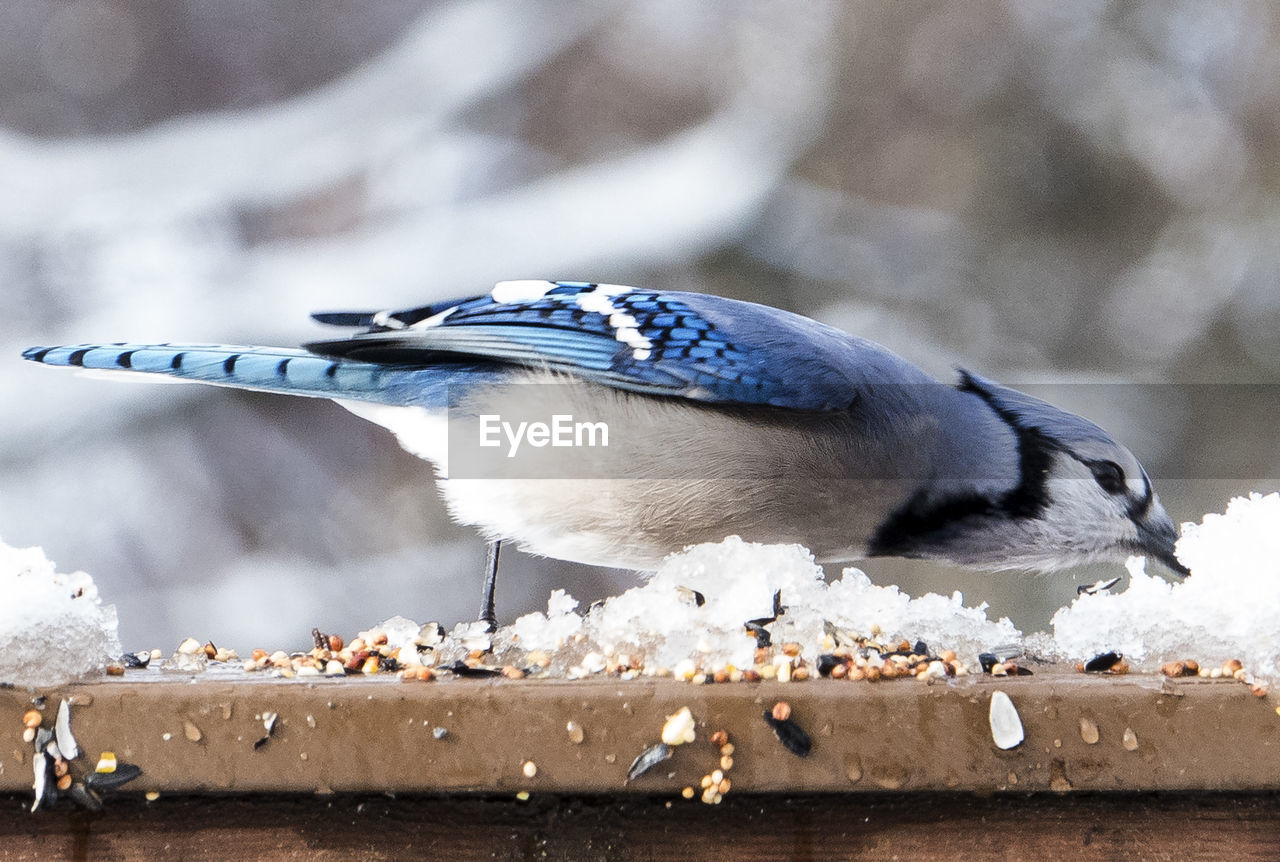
(1006,724)
(827,663)
(1103,662)
(790,734)
(40,768)
(268,722)
(463,669)
(679,727)
(136,660)
(121,775)
(649,758)
(62,730)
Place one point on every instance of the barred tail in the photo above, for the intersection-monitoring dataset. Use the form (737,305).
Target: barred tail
(268,369)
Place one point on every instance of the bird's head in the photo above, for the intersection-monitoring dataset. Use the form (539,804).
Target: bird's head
(1081,495)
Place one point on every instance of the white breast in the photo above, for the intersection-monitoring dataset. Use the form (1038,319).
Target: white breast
(582,520)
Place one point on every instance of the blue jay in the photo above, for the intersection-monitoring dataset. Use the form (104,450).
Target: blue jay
(752,421)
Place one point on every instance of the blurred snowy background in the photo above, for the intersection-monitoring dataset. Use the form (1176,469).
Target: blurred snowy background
(1039,191)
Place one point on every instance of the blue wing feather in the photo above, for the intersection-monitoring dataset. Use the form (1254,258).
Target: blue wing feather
(689,345)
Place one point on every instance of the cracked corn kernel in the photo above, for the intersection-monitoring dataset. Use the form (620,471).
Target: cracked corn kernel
(679,727)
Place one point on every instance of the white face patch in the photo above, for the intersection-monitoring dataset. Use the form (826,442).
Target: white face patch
(625,327)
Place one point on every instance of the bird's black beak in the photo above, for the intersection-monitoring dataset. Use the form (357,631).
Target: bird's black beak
(1156,536)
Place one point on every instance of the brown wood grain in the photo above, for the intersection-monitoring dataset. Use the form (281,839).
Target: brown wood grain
(359,736)
(1077,827)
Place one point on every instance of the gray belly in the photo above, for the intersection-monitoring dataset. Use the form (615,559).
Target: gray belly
(669,473)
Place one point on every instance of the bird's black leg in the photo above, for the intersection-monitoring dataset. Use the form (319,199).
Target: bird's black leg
(487,614)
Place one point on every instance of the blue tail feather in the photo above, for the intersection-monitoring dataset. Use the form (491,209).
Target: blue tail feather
(268,369)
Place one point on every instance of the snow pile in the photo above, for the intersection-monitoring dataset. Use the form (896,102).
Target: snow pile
(1228,608)
(696,605)
(53,627)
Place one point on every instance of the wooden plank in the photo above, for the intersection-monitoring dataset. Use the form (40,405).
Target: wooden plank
(880,826)
(376,734)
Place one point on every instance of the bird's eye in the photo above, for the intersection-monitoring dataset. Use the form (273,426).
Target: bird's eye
(1109,476)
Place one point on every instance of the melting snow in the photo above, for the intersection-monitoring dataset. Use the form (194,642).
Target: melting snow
(737,581)
(53,627)
(1228,608)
